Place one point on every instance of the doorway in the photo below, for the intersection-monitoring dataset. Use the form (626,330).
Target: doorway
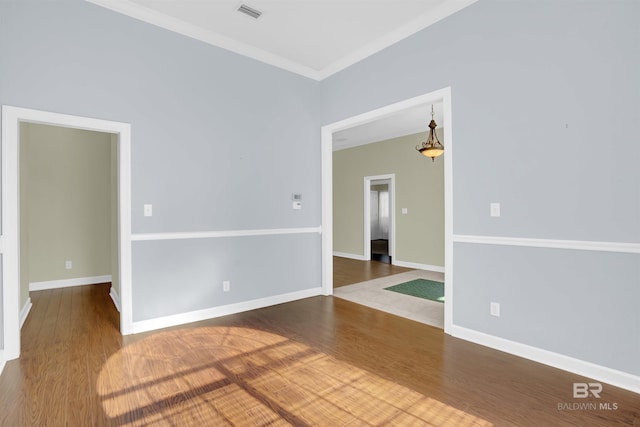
(68,209)
(12,117)
(440,96)
(379,220)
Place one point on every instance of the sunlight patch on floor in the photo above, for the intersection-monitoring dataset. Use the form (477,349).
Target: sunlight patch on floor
(242,376)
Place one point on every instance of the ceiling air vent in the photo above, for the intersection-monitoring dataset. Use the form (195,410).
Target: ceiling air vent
(249,11)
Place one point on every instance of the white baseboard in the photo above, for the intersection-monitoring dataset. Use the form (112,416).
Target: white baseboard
(350,256)
(115,298)
(406,264)
(25,311)
(65,283)
(210,313)
(580,367)
(2,361)
(417,266)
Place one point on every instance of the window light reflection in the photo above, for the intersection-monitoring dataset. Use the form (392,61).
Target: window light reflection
(242,376)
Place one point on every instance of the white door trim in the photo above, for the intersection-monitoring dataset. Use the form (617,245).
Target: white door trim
(391,178)
(11,118)
(442,95)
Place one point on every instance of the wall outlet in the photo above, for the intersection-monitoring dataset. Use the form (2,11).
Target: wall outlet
(68,265)
(494,209)
(226,286)
(148,210)
(494,309)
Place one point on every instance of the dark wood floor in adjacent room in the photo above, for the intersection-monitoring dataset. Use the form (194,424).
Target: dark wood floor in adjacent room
(316,362)
(348,271)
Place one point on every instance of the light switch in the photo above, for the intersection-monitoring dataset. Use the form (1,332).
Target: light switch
(495,209)
(405,211)
(494,309)
(148,210)
(297,205)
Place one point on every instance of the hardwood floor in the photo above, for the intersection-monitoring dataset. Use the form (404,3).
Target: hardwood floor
(320,361)
(348,271)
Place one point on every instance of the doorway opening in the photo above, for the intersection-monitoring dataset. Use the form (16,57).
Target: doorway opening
(12,117)
(379,220)
(442,96)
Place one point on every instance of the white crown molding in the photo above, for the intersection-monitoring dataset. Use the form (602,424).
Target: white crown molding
(584,245)
(224,233)
(170,23)
(162,20)
(210,313)
(26,309)
(580,367)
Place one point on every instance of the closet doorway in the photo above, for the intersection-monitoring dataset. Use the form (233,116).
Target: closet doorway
(379,221)
(379,218)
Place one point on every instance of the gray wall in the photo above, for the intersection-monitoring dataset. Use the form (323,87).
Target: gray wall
(545,101)
(251,264)
(582,304)
(219,141)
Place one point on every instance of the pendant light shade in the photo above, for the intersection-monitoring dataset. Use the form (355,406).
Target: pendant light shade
(432,147)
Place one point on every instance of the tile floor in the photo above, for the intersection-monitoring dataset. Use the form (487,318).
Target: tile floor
(372,294)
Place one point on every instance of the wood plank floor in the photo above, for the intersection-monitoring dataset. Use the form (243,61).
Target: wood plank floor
(320,361)
(348,271)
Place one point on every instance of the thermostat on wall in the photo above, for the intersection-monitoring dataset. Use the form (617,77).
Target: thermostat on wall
(296,196)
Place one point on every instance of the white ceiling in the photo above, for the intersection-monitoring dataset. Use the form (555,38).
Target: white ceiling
(314,38)
(406,122)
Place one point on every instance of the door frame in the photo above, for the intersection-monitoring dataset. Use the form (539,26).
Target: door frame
(391,178)
(326,152)
(10,239)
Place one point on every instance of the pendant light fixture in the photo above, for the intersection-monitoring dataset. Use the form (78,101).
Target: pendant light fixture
(432,147)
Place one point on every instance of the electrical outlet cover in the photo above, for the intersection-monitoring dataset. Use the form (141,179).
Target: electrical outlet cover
(495,309)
